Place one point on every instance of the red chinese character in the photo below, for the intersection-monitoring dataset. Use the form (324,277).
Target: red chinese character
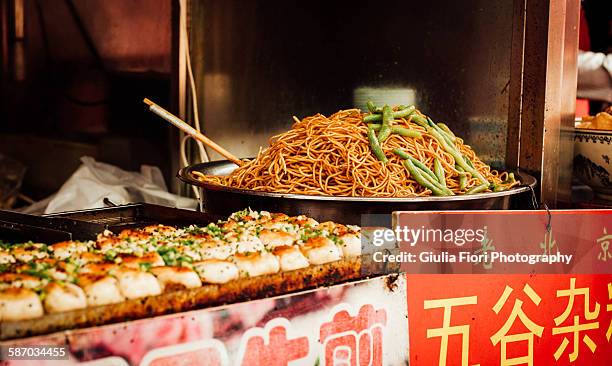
(210,352)
(270,346)
(354,341)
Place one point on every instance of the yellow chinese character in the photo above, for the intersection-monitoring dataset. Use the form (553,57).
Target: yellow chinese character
(576,327)
(548,243)
(517,312)
(448,330)
(604,242)
(609,309)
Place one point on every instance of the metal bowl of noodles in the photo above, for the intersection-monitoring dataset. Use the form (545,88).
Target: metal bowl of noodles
(222,200)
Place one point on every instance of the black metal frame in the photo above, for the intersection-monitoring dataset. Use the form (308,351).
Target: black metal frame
(87,224)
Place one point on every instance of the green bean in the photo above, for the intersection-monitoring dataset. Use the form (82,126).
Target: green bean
(450,140)
(373,108)
(462,181)
(498,187)
(383,134)
(385,128)
(449,135)
(439,171)
(478,189)
(416,174)
(406,132)
(462,177)
(404,155)
(420,120)
(404,112)
(467,160)
(428,175)
(451,149)
(372,118)
(398,114)
(435,183)
(427,123)
(446,129)
(402,131)
(375,145)
(401,153)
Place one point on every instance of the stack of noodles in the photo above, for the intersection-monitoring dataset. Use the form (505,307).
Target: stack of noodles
(389,152)
(38,279)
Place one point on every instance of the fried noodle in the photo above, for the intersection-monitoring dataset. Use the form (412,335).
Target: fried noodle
(331,156)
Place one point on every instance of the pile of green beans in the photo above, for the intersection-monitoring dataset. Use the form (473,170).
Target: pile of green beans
(439,170)
(380,128)
(446,129)
(376,116)
(447,141)
(422,180)
(386,115)
(434,181)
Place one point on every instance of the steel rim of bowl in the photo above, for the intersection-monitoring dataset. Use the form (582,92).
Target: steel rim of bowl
(592,131)
(527,183)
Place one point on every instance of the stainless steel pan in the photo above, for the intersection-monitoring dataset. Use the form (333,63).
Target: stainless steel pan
(225,200)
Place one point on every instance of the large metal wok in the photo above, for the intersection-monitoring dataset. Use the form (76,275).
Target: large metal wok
(221,200)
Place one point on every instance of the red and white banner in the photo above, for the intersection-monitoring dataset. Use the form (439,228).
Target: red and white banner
(556,241)
(363,323)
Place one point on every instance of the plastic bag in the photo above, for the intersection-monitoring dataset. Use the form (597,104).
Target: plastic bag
(94,181)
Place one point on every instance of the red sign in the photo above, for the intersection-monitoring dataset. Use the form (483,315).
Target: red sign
(472,320)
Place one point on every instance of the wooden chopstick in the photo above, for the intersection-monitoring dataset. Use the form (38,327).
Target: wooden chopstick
(183,126)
